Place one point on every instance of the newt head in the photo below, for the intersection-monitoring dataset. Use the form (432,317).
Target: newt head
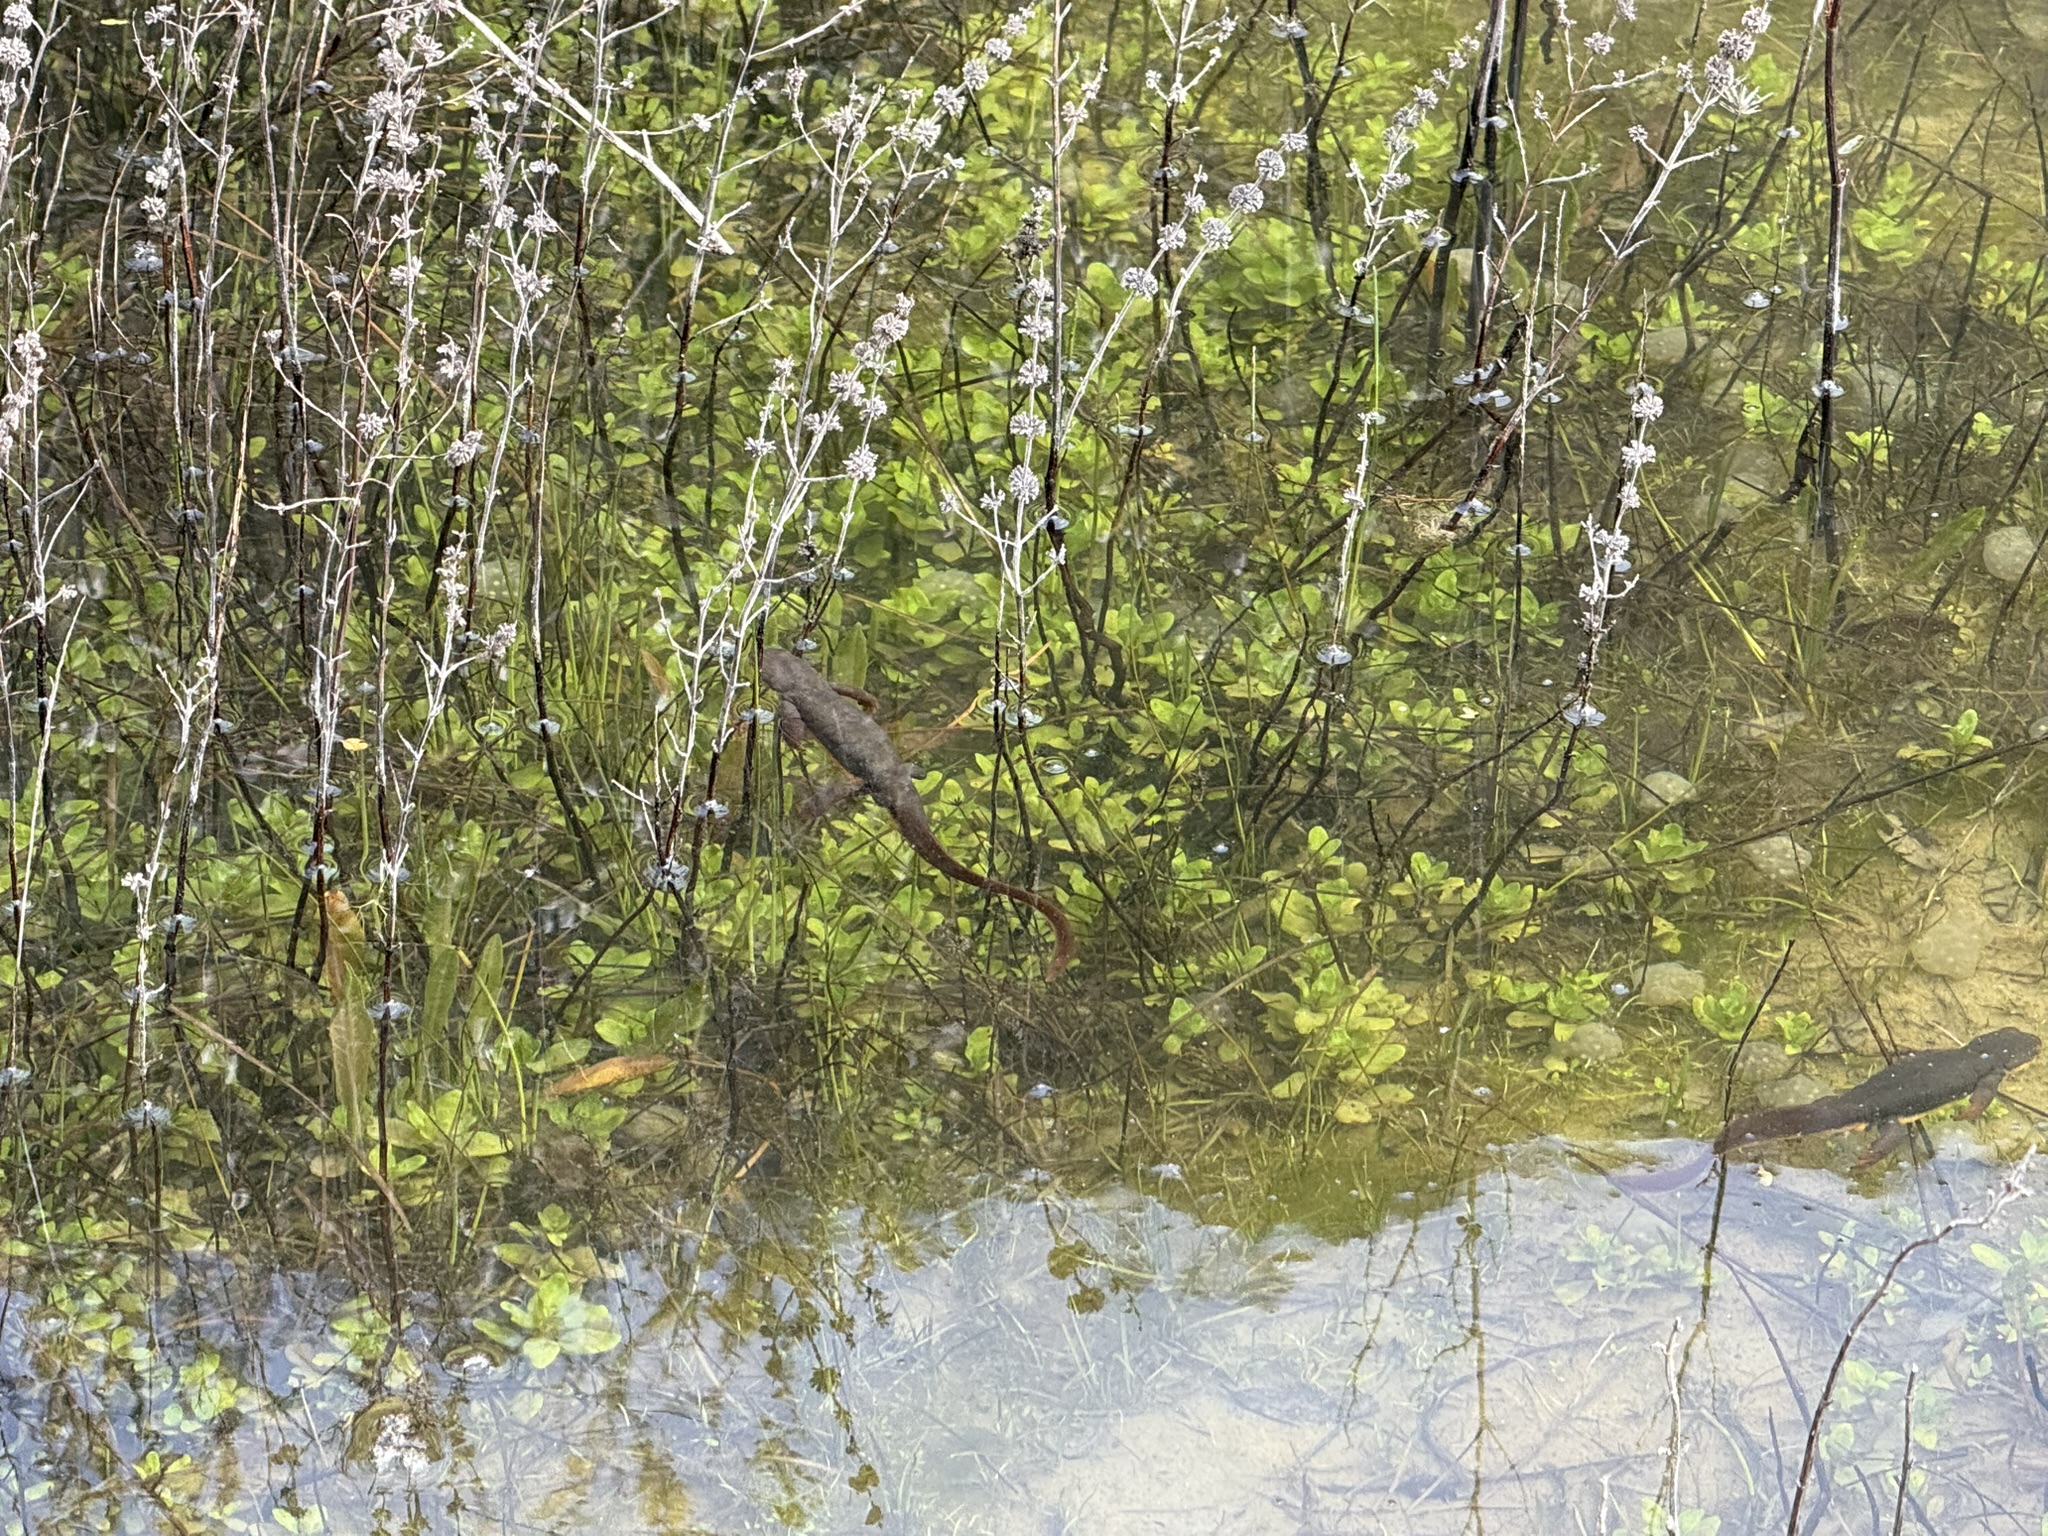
(2006,1048)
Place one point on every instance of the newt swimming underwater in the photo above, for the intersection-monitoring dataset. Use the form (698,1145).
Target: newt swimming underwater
(1890,1100)
(811,706)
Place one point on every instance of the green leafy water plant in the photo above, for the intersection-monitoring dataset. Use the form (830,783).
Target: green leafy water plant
(1601,1260)
(1726,1014)
(553,1320)
(1337,1028)
(1799,1030)
(1572,998)
(1666,852)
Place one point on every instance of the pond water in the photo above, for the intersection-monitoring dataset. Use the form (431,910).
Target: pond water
(1485,555)
(1532,1350)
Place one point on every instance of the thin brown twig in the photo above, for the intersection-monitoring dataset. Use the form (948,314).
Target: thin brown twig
(1824,526)
(1905,1453)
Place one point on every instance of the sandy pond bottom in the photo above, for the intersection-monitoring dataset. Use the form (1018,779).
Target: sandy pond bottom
(1512,1358)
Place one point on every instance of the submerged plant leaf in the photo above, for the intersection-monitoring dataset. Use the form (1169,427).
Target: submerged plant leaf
(605,1074)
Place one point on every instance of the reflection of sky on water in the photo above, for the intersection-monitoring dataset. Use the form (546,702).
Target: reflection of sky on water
(1109,1364)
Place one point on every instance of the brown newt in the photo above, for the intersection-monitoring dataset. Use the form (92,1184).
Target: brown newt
(1890,1100)
(811,706)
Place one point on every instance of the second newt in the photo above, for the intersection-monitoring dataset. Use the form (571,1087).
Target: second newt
(1889,1100)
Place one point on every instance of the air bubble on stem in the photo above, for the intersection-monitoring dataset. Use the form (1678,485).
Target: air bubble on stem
(671,875)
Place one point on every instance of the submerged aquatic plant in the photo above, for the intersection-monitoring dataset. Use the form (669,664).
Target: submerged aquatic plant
(1284,486)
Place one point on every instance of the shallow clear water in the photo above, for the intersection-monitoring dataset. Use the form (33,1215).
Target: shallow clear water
(1269,851)
(1039,1361)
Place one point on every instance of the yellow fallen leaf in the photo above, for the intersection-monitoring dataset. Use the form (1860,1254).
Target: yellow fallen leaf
(354,744)
(603,1074)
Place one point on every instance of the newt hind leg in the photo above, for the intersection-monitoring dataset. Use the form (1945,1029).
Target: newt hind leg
(1891,1135)
(823,799)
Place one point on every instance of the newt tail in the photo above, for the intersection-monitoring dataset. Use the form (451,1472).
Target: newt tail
(919,835)
(811,706)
